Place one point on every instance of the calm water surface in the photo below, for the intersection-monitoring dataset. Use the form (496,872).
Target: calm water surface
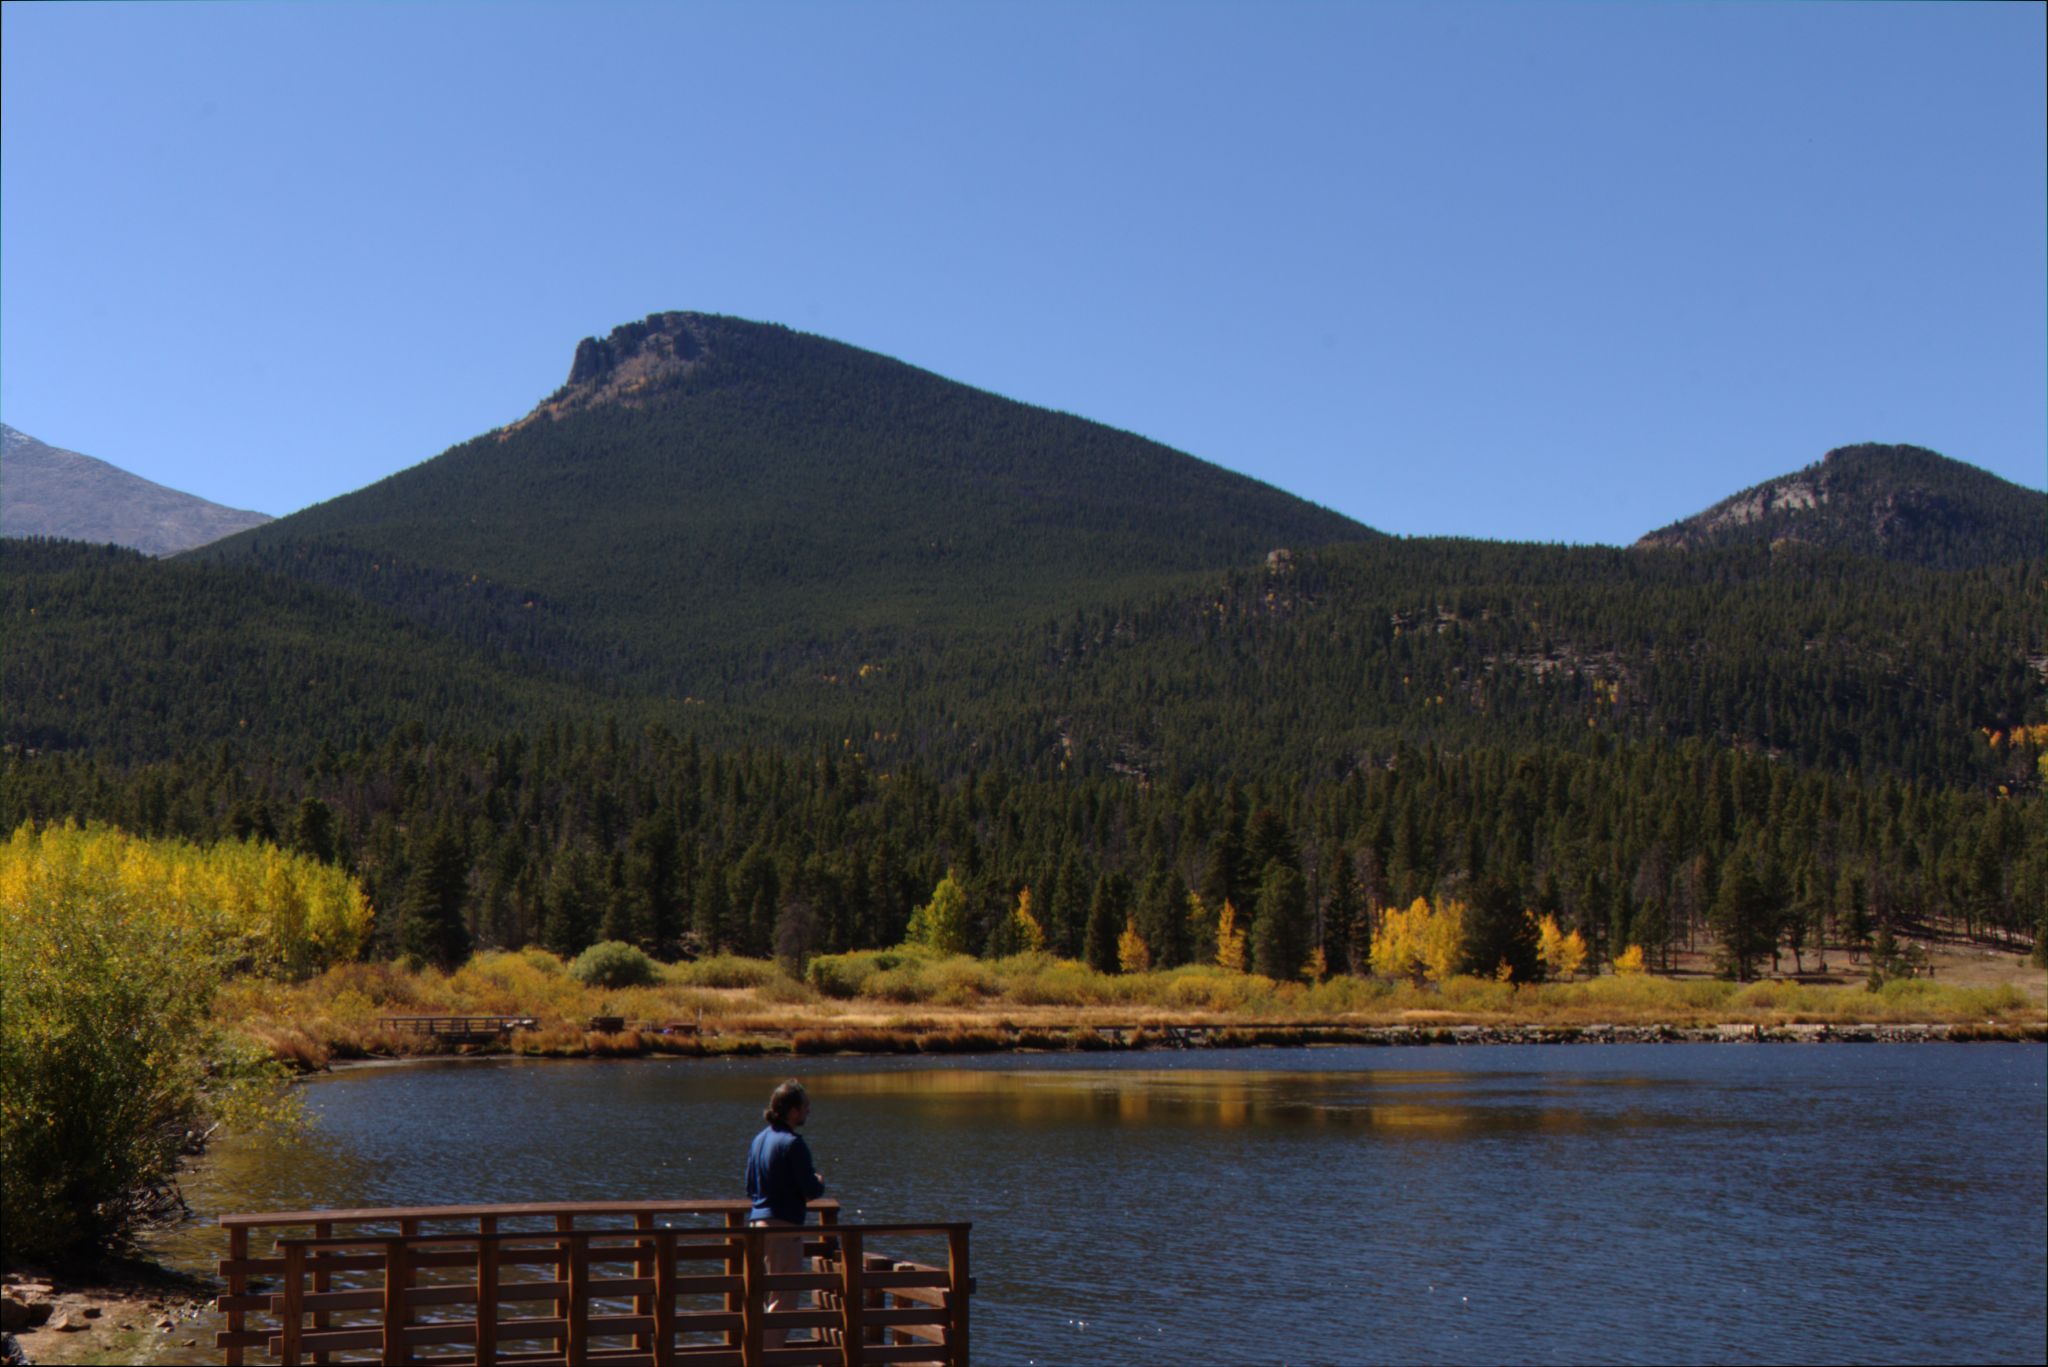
(1477,1204)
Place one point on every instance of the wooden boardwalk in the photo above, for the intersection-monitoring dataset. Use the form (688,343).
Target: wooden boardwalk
(458,1029)
(625,1282)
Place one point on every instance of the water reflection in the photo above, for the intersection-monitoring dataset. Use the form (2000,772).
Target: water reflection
(1420,1102)
(1576,1203)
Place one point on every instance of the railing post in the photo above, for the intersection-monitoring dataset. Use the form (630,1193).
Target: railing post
(486,1290)
(397,1276)
(643,1267)
(878,1298)
(563,1224)
(958,1279)
(323,1280)
(753,1278)
(238,1285)
(578,1349)
(294,1304)
(852,1298)
(735,1266)
(664,1298)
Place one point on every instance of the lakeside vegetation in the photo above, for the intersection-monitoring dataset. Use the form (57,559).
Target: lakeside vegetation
(112,1063)
(153,988)
(907,1001)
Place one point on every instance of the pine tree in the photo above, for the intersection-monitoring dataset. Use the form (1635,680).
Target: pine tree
(1499,932)
(1741,921)
(430,925)
(1343,949)
(1280,933)
(568,923)
(1107,912)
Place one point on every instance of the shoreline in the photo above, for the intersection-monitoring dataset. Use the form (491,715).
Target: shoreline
(936,1039)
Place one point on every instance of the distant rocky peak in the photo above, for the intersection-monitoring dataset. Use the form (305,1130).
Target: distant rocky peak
(632,365)
(1896,502)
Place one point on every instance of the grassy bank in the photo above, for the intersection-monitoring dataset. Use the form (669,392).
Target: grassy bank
(895,1001)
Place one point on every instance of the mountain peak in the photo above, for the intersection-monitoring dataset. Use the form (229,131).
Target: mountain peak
(630,366)
(1894,502)
(52,492)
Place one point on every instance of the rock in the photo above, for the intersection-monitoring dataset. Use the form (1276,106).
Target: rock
(164,1323)
(93,1312)
(67,1323)
(39,1312)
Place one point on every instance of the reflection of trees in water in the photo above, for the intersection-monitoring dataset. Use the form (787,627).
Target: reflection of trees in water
(258,1172)
(1419,1102)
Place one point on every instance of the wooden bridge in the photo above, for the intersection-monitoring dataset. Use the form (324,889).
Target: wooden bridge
(458,1029)
(625,1282)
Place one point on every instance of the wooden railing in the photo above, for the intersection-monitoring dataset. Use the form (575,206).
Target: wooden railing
(374,1285)
(461,1029)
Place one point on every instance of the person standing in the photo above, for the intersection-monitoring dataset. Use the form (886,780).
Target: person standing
(781,1182)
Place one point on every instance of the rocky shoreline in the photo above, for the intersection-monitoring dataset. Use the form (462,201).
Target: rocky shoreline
(130,1313)
(1224,1037)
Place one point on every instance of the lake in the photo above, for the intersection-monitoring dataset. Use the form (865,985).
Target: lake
(1645,1203)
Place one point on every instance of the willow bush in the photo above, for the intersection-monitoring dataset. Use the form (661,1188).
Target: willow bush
(111,949)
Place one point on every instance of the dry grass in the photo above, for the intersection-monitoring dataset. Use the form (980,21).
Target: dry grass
(855,1003)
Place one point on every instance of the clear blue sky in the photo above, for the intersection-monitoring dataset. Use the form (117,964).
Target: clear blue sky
(1537,271)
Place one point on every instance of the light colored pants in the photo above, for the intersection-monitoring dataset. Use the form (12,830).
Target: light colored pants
(781,1255)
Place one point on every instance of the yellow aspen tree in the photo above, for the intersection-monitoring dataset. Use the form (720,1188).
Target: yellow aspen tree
(1571,954)
(1443,940)
(1629,961)
(1422,944)
(1229,939)
(1133,955)
(1030,934)
(1318,966)
(1549,940)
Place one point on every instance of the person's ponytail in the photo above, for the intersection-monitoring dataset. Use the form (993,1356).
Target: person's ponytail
(784,1101)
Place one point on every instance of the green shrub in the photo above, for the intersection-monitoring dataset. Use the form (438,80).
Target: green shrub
(843,975)
(904,983)
(614,963)
(109,1065)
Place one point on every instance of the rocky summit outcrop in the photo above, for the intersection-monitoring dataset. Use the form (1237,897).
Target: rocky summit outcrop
(1895,502)
(48,491)
(632,365)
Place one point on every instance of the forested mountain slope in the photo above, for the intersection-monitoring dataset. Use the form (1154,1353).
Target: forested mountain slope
(113,655)
(1895,502)
(709,498)
(1304,668)
(1326,661)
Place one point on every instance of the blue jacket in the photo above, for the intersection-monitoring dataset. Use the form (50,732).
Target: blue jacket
(780,1176)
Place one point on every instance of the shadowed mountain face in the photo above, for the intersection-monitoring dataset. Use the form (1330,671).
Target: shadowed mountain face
(47,491)
(1897,502)
(706,496)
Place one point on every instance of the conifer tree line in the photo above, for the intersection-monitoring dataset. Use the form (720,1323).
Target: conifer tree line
(578,834)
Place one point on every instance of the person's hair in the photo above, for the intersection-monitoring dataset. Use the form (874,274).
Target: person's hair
(783,1100)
